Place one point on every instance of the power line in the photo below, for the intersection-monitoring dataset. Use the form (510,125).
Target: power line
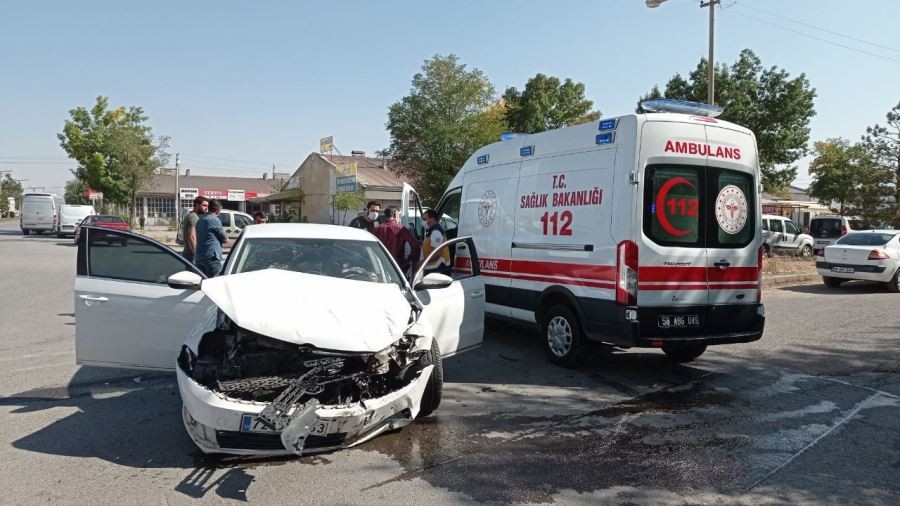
(814,27)
(820,39)
(216,158)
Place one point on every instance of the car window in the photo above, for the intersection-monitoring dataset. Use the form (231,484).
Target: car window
(791,228)
(765,224)
(242,221)
(775,226)
(225,218)
(117,256)
(825,227)
(450,207)
(866,239)
(359,260)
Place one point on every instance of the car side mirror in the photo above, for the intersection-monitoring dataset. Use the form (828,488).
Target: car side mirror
(434,280)
(185,280)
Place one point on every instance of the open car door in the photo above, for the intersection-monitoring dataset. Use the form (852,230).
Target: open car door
(454,305)
(126,315)
(411,212)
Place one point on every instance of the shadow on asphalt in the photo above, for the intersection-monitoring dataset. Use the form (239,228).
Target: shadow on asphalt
(849,287)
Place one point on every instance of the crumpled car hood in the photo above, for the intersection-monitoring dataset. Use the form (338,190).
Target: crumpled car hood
(330,313)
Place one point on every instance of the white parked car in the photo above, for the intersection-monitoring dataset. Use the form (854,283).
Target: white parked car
(871,255)
(234,223)
(312,340)
(782,235)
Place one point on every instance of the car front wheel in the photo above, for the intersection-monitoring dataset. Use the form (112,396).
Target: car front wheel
(806,251)
(434,390)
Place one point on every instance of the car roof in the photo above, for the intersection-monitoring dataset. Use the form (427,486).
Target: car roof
(875,231)
(307,231)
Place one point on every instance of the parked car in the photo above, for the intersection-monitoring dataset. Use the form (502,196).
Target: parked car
(311,340)
(781,235)
(104,221)
(825,230)
(872,255)
(69,216)
(233,221)
(39,212)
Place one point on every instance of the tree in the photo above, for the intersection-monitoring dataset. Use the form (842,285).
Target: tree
(844,173)
(883,145)
(74,192)
(115,149)
(11,188)
(546,104)
(776,107)
(348,201)
(449,113)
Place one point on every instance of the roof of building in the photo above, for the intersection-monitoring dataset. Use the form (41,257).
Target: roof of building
(369,171)
(164,183)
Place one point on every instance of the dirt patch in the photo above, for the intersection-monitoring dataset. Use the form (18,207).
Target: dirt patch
(782,265)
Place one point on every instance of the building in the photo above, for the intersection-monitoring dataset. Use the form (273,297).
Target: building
(311,188)
(800,208)
(156,203)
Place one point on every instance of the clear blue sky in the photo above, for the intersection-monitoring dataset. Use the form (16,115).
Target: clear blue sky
(261,82)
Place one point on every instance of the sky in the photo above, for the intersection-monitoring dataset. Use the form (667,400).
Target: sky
(240,86)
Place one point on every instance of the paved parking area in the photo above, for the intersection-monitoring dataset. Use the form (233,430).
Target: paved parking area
(807,414)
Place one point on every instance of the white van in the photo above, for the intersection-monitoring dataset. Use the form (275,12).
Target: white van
(638,231)
(69,216)
(39,212)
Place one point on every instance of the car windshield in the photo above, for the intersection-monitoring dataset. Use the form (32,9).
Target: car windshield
(108,219)
(825,227)
(359,260)
(866,238)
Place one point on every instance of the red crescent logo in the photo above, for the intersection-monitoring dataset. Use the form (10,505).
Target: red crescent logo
(661,208)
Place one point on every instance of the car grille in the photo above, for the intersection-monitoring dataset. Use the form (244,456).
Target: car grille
(261,441)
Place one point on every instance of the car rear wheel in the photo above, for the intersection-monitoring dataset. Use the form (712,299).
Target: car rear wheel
(685,353)
(564,342)
(806,251)
(894,283)
(434,390)
(25,231)
(832,282)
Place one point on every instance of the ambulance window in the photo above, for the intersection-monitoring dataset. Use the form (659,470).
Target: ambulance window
(672,205)
(732,212)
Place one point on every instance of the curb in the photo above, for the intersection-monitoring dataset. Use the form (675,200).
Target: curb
(789,279)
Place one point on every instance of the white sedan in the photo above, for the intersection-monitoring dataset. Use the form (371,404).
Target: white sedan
(871,255)
(310,341)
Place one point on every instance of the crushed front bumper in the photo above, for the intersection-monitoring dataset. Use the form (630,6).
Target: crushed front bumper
(214,421)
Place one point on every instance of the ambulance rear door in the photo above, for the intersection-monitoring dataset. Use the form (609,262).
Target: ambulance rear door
(733,217)
(672,252)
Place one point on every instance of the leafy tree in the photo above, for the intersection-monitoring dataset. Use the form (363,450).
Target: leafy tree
(348,201)
(883,145)
(546,104)
(74,192)
(844,173)
(449,113)
(776,107)
(115,149)
(11,188)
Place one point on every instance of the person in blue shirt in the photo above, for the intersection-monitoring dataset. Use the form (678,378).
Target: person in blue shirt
(210,238)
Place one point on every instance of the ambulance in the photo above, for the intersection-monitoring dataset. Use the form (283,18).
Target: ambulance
(636,231)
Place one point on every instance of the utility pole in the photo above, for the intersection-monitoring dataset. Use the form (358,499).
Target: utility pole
(177,193)
(711,63)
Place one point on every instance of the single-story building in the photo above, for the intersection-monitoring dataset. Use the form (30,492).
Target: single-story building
(312,187)
(799,211)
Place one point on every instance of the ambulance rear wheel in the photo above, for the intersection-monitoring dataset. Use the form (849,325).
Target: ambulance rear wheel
(684,353)
(564,342)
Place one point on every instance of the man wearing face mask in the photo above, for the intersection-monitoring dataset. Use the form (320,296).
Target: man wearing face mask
(367,221)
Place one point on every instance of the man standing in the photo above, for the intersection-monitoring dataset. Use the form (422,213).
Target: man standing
(396,237)
(367,221)
(434,238)
(210,238)
(188,227)
(259,218)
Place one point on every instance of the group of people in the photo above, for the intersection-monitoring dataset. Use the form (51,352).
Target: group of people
(204,235)
(401,243)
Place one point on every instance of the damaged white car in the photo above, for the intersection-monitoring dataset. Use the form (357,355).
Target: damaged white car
(311,340)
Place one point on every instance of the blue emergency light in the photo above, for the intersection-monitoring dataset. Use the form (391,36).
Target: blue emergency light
(526,151)
(505,136)
(608,124)
(682,107)
(606,138)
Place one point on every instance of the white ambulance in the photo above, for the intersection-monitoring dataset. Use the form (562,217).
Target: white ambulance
(637,231)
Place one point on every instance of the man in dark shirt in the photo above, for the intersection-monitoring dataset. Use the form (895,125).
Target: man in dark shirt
(210,238)
(367,221)
(188,231)
(396,238)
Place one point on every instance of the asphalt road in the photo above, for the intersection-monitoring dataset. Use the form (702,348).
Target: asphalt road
(809,414)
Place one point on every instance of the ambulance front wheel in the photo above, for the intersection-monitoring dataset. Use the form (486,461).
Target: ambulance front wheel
(684,353)
(563,340)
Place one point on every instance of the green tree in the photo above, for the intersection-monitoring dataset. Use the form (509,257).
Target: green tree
(11,188)
(547,103)
(844,173)
(449,113)
(348,201)
(74,192)
(883,145)
(115,149)
(776,107)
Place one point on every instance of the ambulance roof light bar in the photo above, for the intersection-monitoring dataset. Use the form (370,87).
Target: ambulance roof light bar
(682,107)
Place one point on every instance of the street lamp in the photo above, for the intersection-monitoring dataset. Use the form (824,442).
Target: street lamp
(710,65)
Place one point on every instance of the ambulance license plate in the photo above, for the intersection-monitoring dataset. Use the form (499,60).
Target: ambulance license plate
(679,321)
(848,270)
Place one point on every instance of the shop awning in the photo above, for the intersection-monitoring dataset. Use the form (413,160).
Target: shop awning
(293,195)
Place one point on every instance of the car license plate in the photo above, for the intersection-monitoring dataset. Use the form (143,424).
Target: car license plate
(679,321)
(848,270)
(248,424)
